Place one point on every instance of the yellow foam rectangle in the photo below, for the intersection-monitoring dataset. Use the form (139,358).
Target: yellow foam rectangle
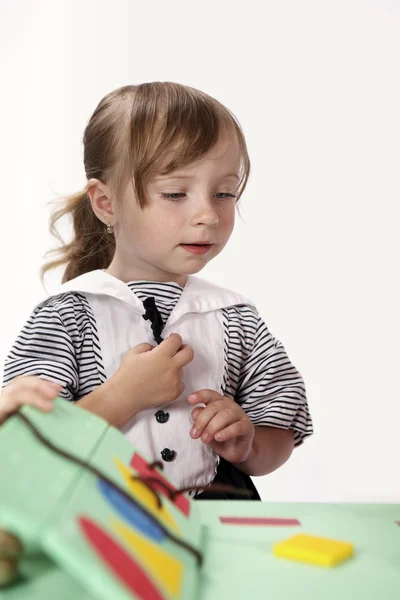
(314,550)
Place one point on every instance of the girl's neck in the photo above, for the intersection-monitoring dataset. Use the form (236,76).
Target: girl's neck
(133,274)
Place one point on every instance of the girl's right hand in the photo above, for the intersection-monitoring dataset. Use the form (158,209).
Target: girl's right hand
(27,389)
(154,376)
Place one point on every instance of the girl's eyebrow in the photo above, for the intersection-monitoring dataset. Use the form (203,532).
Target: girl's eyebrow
(163,178)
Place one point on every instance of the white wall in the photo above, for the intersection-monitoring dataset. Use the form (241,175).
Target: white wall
(316,88)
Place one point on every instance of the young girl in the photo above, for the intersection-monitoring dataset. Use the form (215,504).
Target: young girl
(186,369)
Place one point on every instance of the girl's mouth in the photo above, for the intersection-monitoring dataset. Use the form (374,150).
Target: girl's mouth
(196,248)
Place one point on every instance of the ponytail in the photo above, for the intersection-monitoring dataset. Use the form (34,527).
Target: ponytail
(91,248)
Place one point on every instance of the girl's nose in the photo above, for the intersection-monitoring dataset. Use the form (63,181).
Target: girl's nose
(205,214)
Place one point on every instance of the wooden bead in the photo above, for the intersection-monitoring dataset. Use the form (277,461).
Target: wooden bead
(10,546)
(8,571)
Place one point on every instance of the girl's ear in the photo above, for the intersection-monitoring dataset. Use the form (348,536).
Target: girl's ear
(101,201)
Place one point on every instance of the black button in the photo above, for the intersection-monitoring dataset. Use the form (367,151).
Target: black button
(168,454)
(161,416)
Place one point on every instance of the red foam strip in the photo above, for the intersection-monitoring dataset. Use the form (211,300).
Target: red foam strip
(123,565)
(259,521)
(138,463)
(398,522)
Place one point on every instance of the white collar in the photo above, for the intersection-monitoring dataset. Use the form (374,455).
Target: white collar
(198,296)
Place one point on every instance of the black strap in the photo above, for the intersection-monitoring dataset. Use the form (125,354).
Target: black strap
(230,475)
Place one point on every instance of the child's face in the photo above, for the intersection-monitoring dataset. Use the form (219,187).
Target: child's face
(156,242)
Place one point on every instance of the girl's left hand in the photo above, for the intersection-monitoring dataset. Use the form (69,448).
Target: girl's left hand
(223,425)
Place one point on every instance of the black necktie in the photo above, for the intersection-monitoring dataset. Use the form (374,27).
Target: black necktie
(153,315)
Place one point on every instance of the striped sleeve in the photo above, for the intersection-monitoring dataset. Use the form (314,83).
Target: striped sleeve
(58,342)
(260,376)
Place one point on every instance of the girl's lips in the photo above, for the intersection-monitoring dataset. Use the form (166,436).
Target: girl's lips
(197,249)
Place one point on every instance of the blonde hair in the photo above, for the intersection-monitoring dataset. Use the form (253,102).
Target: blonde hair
(129,134)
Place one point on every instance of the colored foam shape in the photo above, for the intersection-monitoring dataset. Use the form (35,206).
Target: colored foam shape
(132,513)
(314,550)
(260,521)
(122,565)
(141,491)
(140,465)
(165,568)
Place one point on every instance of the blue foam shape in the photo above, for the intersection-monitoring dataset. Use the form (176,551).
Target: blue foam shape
(131,512)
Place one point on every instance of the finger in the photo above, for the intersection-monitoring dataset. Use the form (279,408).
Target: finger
(22,388)
(36,398)
(238,429)
(196,412)
(184,356)
(49,389)
(16,400)
(222,420)
(141,348)
(32,382)
(43,404)
(204,396)
(37,384)
(170,345)
(203,419)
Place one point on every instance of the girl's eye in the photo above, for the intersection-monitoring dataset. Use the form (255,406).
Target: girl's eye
(178,195)
(226,195)
(172,196)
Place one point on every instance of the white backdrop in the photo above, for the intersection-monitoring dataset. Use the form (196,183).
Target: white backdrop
(315,85)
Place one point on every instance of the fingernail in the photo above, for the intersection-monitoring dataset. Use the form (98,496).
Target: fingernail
(192,397)
(205,437)
(194,432)
(219,436)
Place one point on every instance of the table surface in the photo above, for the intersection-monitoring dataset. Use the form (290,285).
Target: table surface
(239,560)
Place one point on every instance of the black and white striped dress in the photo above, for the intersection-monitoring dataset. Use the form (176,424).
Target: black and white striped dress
(60,342)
